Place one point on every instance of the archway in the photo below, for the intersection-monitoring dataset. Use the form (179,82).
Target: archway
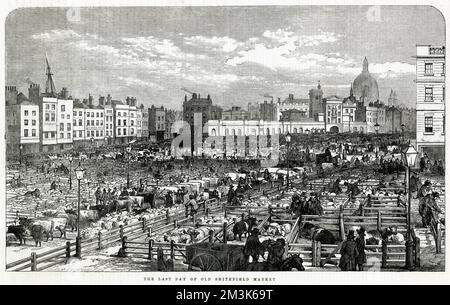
(334,129)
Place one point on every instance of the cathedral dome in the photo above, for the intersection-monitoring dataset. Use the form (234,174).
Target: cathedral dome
(365,87)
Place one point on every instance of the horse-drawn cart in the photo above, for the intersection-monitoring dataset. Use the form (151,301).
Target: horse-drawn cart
(215,257)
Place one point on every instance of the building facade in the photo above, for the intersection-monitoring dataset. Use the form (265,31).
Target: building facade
(430,103)
(236,114)
(291,103)
(157,123)
(332,108)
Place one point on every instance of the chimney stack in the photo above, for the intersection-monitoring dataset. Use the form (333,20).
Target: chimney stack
(90,99)
(34,93)
(101,100)
(128,100)
(108,99)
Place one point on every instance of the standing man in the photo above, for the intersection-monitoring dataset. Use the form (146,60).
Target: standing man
(98,194)
(361,247)
(252,246)
(349,252)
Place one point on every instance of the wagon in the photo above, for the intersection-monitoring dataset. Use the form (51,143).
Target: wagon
(215,257)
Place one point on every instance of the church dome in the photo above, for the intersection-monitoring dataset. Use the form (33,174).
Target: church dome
(365,87)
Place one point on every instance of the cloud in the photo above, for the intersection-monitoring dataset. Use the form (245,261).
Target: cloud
(287,36)
(55,35)
(130,81)
(163,48)
(218,44)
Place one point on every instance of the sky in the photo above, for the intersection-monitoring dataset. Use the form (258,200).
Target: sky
(236,54)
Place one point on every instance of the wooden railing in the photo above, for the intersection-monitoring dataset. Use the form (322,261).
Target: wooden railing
(60,254)
(318,255)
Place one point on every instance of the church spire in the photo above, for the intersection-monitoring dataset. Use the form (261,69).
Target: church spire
(351,89)
(49,85)
(365,65)
(318,85)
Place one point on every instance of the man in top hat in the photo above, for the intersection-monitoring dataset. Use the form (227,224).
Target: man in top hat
(348,252)
(424,190)
(253,247)
(361,247)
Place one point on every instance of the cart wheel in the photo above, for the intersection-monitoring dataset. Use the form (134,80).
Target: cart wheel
(206,262)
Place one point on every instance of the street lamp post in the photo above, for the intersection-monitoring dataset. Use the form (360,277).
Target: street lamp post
(79,171)
(70,171)
(128,170)
(377,129)
(403,126)
(288,141)
(20,154)
(410,156)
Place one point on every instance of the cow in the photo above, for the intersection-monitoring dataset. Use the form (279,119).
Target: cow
(244,226)
(317,233)
(19,232)
(120,204)
(36,193)
(37,231)
(138,200)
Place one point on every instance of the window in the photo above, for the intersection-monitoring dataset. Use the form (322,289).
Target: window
(61,135)
(25,133)
(428,124)
(80,122)
(74,113)
(88,123)
(101,133)
(46,135)
(53,134)
(132,131)
(118,113)
(33,122)
(47,106)
(62,116)
(118,122)
(92,122)
(101,114)
(80,133)
(69,127)
(88,114)
(53,107)
(101,123)
(96,122)
(33,132)
(80,113)
(68,116)
(96,133)
(119,131)
(124,132)
(53,117)
(26,112)
(25,122)
(61,126)
(63,108)
(33,113)
(428,68)
(429,94)
(125,122)
(69,135)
